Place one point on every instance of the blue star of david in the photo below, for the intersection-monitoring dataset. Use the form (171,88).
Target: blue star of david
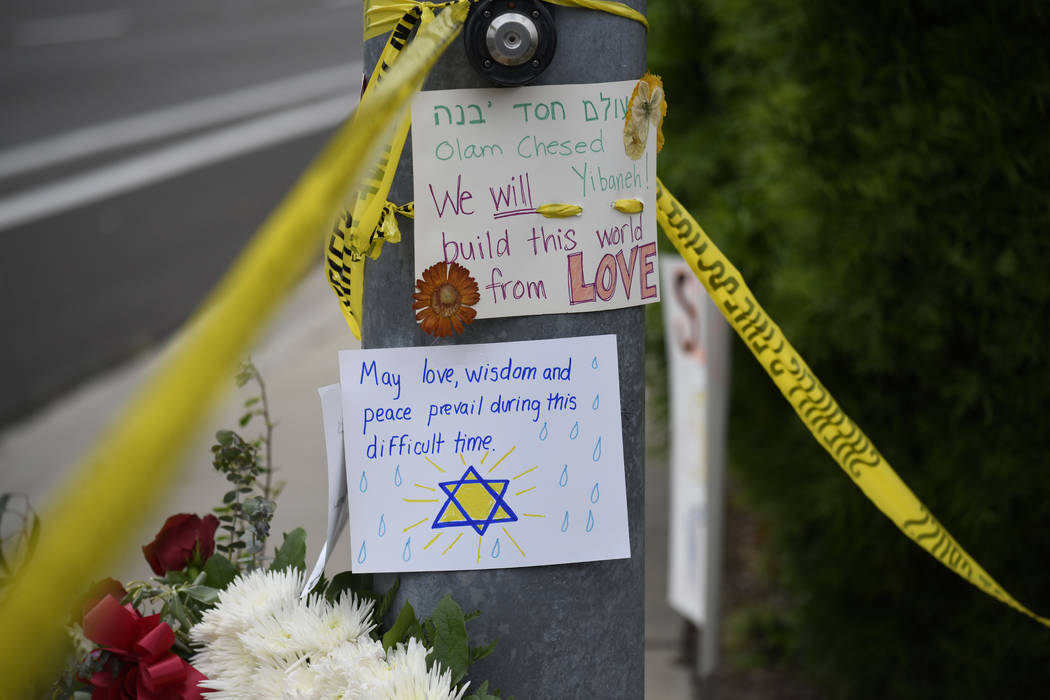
(475,502)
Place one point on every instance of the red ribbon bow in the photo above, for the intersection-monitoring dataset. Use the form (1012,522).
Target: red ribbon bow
(147,669)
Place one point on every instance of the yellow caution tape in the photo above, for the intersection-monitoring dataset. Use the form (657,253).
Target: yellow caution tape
(345,267)
(382,15)
(559,211)
(358,233)
(616,8)
(132,466)
(832,428)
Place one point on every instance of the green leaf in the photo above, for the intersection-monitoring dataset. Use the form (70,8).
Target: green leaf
(174,577)
(388,599)
(245,419)
(449,639)
(342,582)
(203,594)
(178,611)
(248,403)
(245,373)
(220,572)
(483,693)
(479,653)
(401,628)
(292,551)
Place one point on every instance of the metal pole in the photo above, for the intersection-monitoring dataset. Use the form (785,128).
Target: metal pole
(567,631)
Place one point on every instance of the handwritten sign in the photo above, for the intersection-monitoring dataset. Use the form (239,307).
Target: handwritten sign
(484,456)
(697,339)
(484,160)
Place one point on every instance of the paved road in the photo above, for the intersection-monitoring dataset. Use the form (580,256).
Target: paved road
(141,144)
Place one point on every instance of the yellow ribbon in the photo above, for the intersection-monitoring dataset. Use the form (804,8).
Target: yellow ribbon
(628,206)
(559,211)
(832,428)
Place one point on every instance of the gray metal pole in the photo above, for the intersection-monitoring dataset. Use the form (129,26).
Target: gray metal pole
(567,631)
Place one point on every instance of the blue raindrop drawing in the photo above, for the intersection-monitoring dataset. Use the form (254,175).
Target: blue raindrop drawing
(563,480)
(397,476)
(594,362)
(595,404)
(362,554)
(495,549)
(565,522)
(406,553)
(543,431)
(363,483)
(594,493)
(575,432)
(590,520)
(382,525)
(597,454)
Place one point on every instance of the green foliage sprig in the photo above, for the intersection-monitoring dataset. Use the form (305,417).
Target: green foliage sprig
(248,508)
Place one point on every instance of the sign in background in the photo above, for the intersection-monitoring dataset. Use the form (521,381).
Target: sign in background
(693,331)
(484,456)
(484,160)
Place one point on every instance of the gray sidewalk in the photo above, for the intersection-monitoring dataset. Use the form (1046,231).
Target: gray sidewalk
(296,356)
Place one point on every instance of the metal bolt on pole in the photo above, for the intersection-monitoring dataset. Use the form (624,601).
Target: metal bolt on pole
(565,631)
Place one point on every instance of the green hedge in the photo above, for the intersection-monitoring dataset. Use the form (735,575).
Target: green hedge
(880,174)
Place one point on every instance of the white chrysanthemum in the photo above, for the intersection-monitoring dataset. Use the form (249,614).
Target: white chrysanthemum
(409,679)
(262,641)
(340,673)
(277,640)
(250,596)
(345,619)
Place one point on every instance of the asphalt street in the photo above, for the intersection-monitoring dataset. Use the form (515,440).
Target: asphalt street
(141,144)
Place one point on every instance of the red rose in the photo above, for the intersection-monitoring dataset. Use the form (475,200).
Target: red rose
(185,538)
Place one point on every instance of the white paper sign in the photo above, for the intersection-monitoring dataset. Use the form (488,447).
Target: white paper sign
(694,330)
(484,160)
(484,456)
(332,420)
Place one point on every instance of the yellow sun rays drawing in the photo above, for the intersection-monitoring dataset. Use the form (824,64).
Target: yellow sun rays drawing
(472,502)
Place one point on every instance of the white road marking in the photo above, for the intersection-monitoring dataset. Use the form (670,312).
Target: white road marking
(166,162)
(71,29)
(179,119)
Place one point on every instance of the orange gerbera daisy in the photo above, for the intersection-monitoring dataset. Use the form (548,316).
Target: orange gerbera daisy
(444,298)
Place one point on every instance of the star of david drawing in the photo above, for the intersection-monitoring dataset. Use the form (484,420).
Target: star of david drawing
(475,502)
